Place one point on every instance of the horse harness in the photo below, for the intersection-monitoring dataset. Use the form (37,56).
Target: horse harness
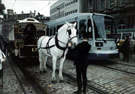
(57,44)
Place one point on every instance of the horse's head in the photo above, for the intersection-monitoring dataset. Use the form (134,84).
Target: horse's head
(72,33)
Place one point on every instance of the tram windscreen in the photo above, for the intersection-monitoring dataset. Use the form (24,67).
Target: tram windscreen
(104,26)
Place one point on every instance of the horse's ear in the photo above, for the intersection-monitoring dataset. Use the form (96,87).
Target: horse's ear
(74,24)
(67,23)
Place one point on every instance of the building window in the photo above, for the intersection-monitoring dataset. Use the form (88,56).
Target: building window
(102,5)
(123,2)
(70,3)
(112,4)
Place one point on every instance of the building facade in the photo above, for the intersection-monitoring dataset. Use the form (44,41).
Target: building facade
(123,10)
(1,18)
(63,8)
(2,8)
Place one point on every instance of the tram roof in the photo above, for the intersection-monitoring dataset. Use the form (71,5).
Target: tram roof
(73,16)
(28,20)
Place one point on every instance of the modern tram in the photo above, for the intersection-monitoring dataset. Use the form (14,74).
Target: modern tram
(24,36)
(100,30)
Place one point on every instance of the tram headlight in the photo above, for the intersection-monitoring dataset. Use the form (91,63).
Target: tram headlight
(118,44)
(99,44)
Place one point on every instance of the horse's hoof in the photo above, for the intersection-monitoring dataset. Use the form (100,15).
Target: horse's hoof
(54,81)
(41,72)
(61,81)
(45,71)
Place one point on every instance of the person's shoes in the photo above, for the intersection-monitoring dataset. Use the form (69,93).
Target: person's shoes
(84,92)
(77,92)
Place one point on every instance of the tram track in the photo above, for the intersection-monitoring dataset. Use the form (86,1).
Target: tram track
(91,87)
(126,64)
(17,76)
(68,79)
(1,81)
(30,81)
(95,87)
(99,91)
(37,87)
(126,68)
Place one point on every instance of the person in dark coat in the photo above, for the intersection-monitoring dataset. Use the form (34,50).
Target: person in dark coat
(81,63)
(126,49)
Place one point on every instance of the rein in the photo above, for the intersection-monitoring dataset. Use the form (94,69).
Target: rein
(72,38)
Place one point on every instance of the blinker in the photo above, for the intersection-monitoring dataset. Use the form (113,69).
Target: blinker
(69,32)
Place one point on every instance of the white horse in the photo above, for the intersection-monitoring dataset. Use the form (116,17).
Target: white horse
(56,47)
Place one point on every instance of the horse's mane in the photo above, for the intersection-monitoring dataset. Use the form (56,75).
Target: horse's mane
(62,28)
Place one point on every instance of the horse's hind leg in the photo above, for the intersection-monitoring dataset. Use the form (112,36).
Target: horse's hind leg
(45,61)
(41,68)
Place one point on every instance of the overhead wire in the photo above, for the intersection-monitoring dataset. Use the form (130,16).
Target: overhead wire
(46,5)
(13,4)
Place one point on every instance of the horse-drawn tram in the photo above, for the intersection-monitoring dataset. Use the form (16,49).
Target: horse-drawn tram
(100,30)
(24,36)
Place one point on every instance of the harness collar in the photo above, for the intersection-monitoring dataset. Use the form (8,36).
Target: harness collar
(57,44)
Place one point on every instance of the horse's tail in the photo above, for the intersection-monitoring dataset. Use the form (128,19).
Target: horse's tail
(39,43)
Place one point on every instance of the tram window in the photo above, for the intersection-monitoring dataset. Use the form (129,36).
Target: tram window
(54,31)
(89,28)
(133,35)
(20,29)
(50,32)
(47,32)
(58,27)
(82,28)
(96,31)
(126,34)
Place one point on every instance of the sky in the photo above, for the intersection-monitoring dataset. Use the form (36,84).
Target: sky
(41,6)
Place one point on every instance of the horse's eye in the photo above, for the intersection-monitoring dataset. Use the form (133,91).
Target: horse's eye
(69,31)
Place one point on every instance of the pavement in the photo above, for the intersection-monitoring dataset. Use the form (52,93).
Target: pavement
(113,82)
(12,81)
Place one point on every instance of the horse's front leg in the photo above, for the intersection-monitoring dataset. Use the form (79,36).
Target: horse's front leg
(60,69)
(54,59)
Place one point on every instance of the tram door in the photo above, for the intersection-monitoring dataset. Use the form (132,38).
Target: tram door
(85,27)
(82,27)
